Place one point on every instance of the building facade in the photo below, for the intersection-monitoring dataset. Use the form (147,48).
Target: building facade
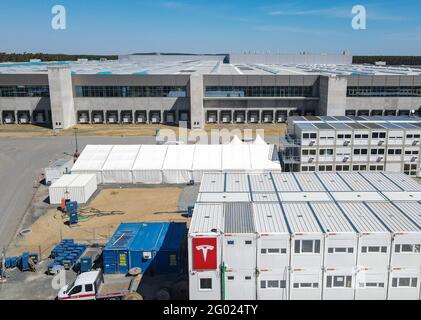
(168,90)
(377,143)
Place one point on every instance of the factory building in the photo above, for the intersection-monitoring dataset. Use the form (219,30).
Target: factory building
(306,236)
(252,88)
(353,143)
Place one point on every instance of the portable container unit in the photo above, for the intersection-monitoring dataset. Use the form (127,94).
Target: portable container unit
(306,284)
(204,247)
(405,182)
(333,182)
(147,168)
(56,169)
(239,285)
(213,182)
(374,238)
(207,158)
(273,285)
(341,239)
(92,159)
(380,181)
(153,247)
(309,182)
(404,284)
(261,183)
(371,283)
(239,246)
(119,164)
(237,182)
(285,182)
(76,187)
(357,182)
(213,197)
(406,236)
(307,238)
(338,284)
(412,210)
(178,164)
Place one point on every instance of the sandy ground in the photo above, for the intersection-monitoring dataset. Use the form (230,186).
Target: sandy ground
(126,130)
(137,205)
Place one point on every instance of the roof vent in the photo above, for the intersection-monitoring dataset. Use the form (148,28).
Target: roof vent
(300,216)
(207,217)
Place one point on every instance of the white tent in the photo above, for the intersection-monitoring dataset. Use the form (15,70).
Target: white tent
(147,167)
(236,141)
(264,158)
(259,141)
(119,164)
(178,164)
(236,158)
(76,187)
(92,159)
(207,158)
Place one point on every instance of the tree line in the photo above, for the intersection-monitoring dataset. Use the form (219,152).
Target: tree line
(390,60)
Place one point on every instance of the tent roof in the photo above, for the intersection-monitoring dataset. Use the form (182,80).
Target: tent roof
(150,157)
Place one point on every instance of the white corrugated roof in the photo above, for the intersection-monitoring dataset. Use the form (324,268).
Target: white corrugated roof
(301,218)
(261,183)
(381,182)
(304,196)
(265,197)
(224,197)
(403,181)
(412,210)
(268,218)
(237,182)
(331,217)
(309,182)
(333,182)
(82,180)
(285,182)
(64,181)
(212,182)
(356,181)
(392,217)
(403,196)
(357,196)
(207,217)
(362,218)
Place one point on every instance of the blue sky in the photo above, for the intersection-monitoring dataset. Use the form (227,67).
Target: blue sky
(215,26)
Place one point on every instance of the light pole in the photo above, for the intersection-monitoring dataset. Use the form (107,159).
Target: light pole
(76,155)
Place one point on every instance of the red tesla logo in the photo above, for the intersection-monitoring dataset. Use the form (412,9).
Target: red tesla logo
(204,253)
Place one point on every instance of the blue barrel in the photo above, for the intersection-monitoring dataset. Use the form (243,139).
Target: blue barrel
(59,260)
(85,264)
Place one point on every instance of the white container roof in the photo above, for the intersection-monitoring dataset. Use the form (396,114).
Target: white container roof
(64,181)
(224,197)
(268,218)
(403,181)
(333,182)
(92,158)
(265,197)
(392,217)
(121,157)
(304,196)
(239,218)
(179,157)
(356,181)
(261,182)
(285,182)
(150,157)
(213,182)
(82,180)
(301,218)
(309,182)
(357,196)
(380,181)
(362,218)
(207,217)
(331,217)
(412,210)
(237,182)
(403,196)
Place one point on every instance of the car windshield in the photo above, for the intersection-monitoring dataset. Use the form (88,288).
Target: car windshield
(70,287)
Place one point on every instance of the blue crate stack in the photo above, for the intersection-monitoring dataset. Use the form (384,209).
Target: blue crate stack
(66,254)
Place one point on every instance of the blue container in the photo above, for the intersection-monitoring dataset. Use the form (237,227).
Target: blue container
(150,246)
(11,262)
(59,260)
(86,264)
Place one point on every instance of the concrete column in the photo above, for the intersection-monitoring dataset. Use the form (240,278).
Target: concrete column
(332,100)
(196,101)
(61,97)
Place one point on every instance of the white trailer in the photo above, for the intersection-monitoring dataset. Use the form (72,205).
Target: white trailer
(204,247)
(273,251)
(307,238)
(338,284)
(404,284)
(371,283)
(341,239)
(76,187)
(406,236)
(306,284)
(239,248)
(374,238)
(56,169)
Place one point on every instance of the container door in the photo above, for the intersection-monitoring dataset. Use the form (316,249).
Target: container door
(123,262)
(240,285)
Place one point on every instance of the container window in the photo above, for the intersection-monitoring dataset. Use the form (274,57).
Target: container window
(350,250)
(315,284)
(230,242)
(307,246)
(414,282)
(283,250)
(263,251)
(273,284)
(283,284)
(247,278)
(338,281)
(417,248)
(373,249)
(273,251)
(297,246)
(296,285)
(317,246)
(404,282)
(206,284)
(364,249)
(248,242)
(384,249)
(230,278)
(330,250)
(397,248)
(406,248)
(263,284)
(394,282)
(305,285)
(329,282)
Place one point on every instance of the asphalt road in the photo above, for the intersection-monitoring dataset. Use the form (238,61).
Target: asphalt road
(22,161)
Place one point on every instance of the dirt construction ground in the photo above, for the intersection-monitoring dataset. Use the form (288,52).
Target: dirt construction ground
(131,205)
